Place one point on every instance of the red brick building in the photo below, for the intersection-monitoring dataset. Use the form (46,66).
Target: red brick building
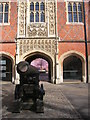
(8,32)
(49,29)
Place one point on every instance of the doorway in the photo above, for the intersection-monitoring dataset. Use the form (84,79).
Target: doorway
(72,68)
(5,69)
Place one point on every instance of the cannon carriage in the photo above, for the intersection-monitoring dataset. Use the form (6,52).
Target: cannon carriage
(29,94)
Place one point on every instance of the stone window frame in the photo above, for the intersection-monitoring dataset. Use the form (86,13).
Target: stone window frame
(77,3)
(3,23)
(37,11)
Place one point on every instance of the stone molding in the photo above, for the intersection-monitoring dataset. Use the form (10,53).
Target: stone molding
(46,45)
(21,10)
(51,9)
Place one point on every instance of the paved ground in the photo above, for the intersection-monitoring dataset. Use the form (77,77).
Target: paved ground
(77,94)
(58,102)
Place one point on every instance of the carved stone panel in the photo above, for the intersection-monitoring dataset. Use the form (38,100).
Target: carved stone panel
(46,45)
(51,9)
(37,30)
(21,20)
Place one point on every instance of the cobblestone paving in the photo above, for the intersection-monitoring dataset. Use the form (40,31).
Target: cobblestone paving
(56,104)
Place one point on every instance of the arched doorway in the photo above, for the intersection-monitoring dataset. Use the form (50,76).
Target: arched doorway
(43,63)
(72,68)
(5,69)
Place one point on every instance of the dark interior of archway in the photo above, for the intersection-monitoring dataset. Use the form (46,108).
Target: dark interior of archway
(43,76)
(72,68)
(5,69)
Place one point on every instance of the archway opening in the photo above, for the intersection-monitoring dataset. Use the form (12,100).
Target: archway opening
(5,69)
(72,68)
(44,65)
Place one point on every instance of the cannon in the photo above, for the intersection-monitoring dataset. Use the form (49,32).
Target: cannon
(28,94)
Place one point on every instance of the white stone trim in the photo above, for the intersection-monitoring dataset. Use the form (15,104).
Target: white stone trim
(24,56)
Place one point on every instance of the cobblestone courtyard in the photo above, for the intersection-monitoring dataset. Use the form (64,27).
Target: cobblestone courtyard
(55,102)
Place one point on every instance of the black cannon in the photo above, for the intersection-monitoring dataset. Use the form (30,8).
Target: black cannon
(28,94)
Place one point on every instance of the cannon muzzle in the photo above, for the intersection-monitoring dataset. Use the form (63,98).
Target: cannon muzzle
(23,68)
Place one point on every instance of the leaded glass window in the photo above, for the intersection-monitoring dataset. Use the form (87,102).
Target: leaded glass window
(42,17)
(37,17)
(37,12)
(80,12)
(69,12)
(42,7)
(31,17)
(4,12)
(37,6)
(75,12)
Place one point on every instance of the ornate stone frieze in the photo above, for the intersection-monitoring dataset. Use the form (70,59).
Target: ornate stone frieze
(51,9)
(21,16)
(37,29)
(46,45)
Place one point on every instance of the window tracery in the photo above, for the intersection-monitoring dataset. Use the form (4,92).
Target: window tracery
(4,12)
(38,11)
(75,12)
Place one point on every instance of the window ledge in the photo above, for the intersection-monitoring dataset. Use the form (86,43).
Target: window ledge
(4,24)
(74,23)
(37,22)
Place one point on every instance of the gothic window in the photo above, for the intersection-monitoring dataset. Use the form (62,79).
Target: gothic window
(37,17)
(37,6)
(32,6)
(4,12)
(37,12)
(80,12)
(42,17)
(42,7)
(69,12)
(1,13)
(75,12)
(31,17)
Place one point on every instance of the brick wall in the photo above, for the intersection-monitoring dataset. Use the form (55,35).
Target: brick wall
(67,46)
(70,32)
(8,32)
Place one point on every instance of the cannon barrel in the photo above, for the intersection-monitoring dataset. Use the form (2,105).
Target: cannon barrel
(23,68)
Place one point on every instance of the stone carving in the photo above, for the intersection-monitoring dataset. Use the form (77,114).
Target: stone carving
(51,9)
(37,29)
(47,45)
(21,18)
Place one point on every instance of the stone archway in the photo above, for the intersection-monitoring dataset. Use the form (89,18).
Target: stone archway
(6,67)
(36,55)
(79,57)
(72,68)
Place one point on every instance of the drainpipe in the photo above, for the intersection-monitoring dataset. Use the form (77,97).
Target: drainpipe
(86,48)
